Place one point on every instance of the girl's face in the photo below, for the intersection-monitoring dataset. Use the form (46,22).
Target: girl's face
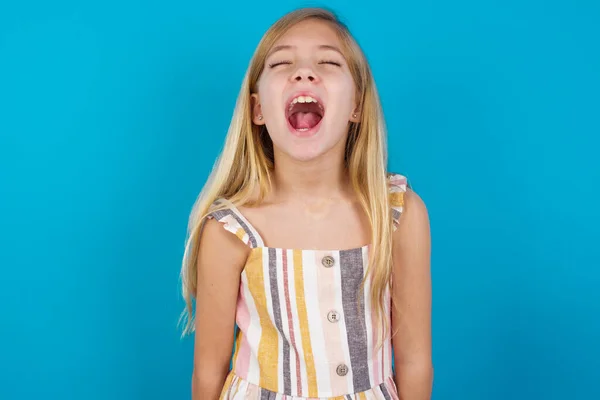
(306,94)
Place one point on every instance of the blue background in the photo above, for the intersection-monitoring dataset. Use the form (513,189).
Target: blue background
(112,113)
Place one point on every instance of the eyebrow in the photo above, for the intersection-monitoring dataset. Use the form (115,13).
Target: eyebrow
(288,47)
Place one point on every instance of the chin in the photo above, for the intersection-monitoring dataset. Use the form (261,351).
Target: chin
(306,152)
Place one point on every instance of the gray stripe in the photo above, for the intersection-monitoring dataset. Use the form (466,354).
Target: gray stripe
(396,215)
(267,394)
(223,213)
(287,378)
(264,394)
(348,397)
(351,267)
(386,394)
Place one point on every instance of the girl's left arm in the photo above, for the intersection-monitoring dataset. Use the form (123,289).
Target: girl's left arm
(411,301)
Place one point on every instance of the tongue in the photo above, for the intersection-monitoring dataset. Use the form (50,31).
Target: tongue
(302,120)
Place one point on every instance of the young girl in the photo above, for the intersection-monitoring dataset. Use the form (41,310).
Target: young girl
(303,241)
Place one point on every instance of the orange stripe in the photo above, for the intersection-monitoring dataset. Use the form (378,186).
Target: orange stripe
(226,386)
(362,396)
(397,199)
(240,233)
(304,331)
(238,382)
(238,341)
(268,347)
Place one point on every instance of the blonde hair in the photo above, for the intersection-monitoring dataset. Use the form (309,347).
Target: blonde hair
(243,171)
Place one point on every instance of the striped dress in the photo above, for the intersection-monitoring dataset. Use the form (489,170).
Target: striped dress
(301,334)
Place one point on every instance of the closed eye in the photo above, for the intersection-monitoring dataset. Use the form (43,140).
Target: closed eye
(337,64)
(274,64)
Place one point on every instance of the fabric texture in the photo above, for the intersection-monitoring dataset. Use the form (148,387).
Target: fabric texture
(305,326)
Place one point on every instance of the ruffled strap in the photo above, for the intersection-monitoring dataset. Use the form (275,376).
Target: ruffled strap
(234,222)
(397,185)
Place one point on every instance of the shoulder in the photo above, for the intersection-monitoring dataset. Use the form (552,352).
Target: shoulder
(415,209)
(407,206)
(221,237)
(397,187)
(230,220)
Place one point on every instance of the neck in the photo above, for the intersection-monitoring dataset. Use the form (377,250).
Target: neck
(312,180)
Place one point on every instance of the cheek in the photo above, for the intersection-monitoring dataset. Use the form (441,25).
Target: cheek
(345,92)
(270,99)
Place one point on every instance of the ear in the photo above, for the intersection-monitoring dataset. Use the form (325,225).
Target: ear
(256,110)
(355,116)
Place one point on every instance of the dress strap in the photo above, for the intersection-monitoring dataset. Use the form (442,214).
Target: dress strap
(234,222)
(397,185)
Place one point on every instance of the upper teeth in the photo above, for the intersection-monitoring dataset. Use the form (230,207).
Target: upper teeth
(303,99)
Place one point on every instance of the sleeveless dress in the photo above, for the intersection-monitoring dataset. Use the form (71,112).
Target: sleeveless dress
(300,333)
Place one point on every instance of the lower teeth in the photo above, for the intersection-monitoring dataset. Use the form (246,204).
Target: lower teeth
(302,129)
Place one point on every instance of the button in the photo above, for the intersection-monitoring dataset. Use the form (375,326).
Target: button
(333,316)
(328,261)
(342,370)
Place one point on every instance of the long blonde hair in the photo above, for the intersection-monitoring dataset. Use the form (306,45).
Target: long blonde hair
(245,165)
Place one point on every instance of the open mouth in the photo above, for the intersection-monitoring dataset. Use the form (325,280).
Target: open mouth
(304,113)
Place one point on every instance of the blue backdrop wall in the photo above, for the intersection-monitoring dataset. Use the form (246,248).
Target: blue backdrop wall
(112,113)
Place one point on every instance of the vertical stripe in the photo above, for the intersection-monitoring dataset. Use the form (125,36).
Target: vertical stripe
(309,361)
(274,263)
(387,366)
(376,361)
(383,357)
(352,297)
(330,300)
(316,318)
(288,306)
(276,304)
(392,389)
(236,353)
(348,380)
(242,354)
(383,347)
(286,351)
(385,392)
(362,396)
(267,349)
(267,290)
(253,334)
(237,385)
(368,317)
(389,344)
(300,368)
(226,387)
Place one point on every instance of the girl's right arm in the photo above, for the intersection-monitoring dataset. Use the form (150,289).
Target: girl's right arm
(221,259)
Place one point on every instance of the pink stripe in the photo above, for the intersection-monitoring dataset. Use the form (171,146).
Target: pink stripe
(392,388)
(384,348)
(243,321)
(376,353)
(331,331)
(290,322)
(383,354)
(389,347)
(388,342)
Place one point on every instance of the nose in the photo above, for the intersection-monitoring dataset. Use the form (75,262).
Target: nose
(304,74)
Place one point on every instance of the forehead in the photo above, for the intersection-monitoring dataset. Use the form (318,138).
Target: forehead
(311,32)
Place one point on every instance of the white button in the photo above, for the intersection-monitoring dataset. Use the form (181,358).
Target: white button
(328,261)
(333,316)
(342,370)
